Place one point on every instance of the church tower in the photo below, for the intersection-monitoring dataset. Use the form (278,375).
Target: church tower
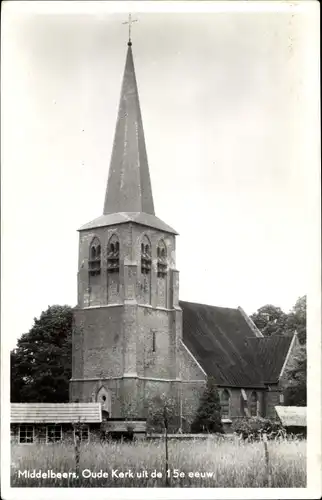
(127,323)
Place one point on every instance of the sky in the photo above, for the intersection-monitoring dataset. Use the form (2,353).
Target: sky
(229,122)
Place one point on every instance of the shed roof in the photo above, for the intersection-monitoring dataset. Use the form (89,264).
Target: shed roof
(292,416)
(56,412)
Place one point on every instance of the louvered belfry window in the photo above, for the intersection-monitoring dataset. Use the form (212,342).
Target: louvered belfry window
(113,255)
(94,262)
(146,260)
(162,260)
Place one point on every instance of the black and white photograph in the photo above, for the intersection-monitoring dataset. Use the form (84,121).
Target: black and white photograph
(161,303)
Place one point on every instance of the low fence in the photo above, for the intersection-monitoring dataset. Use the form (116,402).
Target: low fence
(214,437)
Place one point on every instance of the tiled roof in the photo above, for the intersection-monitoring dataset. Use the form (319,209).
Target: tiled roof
(269,353)
(228,349)
(292,416)
(216,336)
(123,217)
(55,412)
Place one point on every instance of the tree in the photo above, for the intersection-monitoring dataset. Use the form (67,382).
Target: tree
(294,379)
(208,417)
(270,320)
(296,320)
(41,363)
(158,407)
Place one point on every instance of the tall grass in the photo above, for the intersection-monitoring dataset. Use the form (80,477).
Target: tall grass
(232,464)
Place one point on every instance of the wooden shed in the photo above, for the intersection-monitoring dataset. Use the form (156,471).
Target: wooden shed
(293,418)
(56,422)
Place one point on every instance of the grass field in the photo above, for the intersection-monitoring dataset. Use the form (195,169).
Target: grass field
(219,464)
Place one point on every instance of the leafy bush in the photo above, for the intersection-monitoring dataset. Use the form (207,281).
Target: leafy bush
(255,427)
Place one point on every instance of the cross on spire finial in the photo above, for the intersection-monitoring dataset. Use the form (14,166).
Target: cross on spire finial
(130,22)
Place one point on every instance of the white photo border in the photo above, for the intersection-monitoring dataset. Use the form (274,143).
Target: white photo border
(313,489)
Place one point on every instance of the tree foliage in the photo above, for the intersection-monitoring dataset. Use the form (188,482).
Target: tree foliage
(270,320)
(41,363)
(253,428)
(208,417)
(161,408)
(294,380)
(296,320)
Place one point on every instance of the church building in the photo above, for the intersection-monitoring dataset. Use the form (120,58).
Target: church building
(134,341)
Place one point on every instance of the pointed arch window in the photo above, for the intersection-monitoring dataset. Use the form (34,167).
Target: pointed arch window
(113,255)
(94,262)
(103,396)
(253,404)
(146,260)
(162,260)
(244,404)
(225,403)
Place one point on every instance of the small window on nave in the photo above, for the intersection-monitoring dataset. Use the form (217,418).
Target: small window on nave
(153,341)
(146,260)
(94,262)
(113,255)
(162,260)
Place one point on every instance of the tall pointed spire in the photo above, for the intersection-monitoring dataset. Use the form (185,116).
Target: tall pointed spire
(129,186)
